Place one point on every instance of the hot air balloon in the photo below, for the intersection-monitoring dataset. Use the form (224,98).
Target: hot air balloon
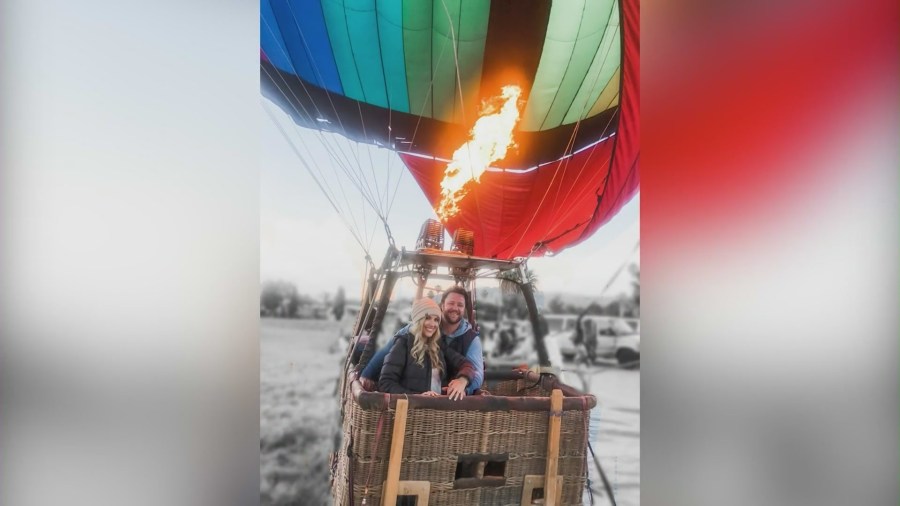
(414,75)
(519,122)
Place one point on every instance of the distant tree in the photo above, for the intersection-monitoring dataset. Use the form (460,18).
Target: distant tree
(488,311)
(572,309)
(635,271)
(595,309)
(556,305)
(514,305)
(340,300)
(270,298)
(292,299)
(279,297)
(614,308)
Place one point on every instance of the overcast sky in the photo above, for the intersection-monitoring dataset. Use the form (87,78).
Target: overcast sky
(304,240)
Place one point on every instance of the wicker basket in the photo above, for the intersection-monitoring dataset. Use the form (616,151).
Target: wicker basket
(474,451)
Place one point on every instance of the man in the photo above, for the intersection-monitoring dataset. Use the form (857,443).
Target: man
(455,331)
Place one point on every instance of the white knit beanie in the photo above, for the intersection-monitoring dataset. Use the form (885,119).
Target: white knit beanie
(422,307)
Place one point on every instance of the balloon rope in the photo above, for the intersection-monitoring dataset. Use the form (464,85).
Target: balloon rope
(615,275)
(381,212)
(314,103)
(324,139)
(311,173)
(357,178)
(357,182)
(309,166)
(455,44)
(315,67)
(322,180)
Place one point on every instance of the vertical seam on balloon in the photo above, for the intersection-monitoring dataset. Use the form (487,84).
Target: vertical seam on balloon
(434,64)
(581,236)
(571,54)
(594,59)
(279,38)
(316,68)
(583,166)
(429,95)
(565,168)
(588,105)
(387,96)
(359,108)
(612,155)
(621,188)
(585,108)
(388,198)
(618,116)
(556,173)
(569,212)
(457,87)
(387,92)
(353,56)
(624,26)
(361,180)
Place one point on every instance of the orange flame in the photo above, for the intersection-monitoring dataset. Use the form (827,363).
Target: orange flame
(490,138)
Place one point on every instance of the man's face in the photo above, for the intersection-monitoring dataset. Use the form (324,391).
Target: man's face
(454,307)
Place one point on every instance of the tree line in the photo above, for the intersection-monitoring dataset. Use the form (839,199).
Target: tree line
(281,299)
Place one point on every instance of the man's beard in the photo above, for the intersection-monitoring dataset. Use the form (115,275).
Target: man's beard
(453,317)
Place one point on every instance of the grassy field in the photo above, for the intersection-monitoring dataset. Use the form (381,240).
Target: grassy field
(299,364)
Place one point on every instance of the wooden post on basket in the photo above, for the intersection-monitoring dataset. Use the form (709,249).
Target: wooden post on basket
(389,496)
(551,488)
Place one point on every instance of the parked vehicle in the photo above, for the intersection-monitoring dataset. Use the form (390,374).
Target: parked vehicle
(599,337)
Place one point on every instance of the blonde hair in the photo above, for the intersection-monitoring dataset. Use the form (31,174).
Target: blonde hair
(422,345)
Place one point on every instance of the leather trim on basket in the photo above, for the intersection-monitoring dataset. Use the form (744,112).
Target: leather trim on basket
(573,399)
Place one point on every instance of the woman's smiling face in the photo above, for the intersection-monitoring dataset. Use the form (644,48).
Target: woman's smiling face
(430,325)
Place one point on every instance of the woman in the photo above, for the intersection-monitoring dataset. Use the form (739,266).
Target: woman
(417,362)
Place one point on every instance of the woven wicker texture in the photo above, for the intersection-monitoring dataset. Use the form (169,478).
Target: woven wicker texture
(435,440)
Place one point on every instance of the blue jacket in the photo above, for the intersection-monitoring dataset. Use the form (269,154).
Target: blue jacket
(473,354)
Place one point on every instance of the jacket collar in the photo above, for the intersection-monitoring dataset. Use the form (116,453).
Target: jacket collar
(462,329)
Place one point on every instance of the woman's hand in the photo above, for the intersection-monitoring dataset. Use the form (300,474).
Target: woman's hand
(457,388)
(430,394)
(367,384)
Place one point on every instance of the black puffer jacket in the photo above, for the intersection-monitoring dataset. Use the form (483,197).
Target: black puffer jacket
(402,375)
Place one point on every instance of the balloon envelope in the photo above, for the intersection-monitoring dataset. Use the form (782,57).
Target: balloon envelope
(412,75)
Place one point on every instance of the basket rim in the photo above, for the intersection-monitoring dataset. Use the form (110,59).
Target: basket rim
(573,400)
